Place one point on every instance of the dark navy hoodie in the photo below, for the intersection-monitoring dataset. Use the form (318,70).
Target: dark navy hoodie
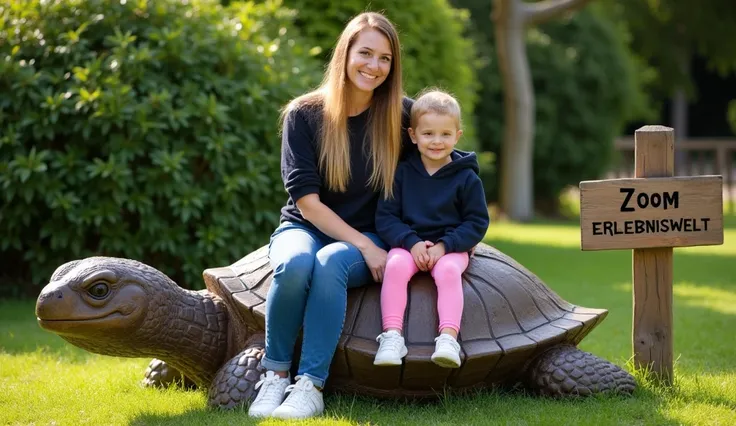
(448,206)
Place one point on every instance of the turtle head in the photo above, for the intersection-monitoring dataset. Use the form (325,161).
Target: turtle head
(101,304)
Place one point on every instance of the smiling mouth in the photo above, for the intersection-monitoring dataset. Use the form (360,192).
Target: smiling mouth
(73,320)
(368,76)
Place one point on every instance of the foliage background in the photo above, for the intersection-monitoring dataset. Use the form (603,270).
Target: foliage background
(149,130)
(587,86)
(142,129)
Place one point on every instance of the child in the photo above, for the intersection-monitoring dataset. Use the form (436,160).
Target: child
(437,215)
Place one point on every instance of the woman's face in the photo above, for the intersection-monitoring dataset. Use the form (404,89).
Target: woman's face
(369,60)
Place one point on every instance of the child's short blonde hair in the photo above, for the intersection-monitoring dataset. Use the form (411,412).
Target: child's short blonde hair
(438,102)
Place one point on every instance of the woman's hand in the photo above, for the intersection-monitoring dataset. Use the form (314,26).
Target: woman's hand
(375,258)
(333,226)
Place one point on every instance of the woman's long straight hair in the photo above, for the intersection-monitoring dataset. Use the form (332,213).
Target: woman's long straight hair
(385,111)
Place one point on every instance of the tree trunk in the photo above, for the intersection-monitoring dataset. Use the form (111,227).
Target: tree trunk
(679,114)
(516,189)
(511,17)
(679,123)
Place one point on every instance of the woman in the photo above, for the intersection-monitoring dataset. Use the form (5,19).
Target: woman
(340,147)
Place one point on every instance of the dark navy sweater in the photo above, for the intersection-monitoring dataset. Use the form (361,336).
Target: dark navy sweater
(301,175)
(448,206)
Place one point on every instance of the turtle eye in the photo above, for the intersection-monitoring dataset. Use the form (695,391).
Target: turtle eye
(99,290)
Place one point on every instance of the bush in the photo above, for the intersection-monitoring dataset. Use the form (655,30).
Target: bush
(586,86)
(434,49)
(143,129)
(589,97)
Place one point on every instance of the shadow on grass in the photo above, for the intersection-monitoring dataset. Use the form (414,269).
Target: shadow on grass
(478,408)
(650,404)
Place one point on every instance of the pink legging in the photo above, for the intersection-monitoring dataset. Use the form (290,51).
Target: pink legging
(447,274)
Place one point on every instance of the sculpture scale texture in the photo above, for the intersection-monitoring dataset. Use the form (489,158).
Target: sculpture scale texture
(514,331)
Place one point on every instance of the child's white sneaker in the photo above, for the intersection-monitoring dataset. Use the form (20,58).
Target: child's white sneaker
(304,400)
(446,351)
(391,348)
(271,390)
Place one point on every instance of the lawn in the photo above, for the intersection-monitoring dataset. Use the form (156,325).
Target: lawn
(44,380)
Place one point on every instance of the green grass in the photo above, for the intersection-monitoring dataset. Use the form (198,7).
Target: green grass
(44,380)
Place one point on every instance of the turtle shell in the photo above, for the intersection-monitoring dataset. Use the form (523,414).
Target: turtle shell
(509,317)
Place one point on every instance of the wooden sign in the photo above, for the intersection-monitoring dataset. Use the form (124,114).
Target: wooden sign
(651,212)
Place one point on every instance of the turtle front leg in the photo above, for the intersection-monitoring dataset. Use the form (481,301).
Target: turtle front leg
(567,371)
(234,384)
(160,374)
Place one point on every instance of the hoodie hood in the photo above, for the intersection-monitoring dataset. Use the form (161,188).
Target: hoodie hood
(460,160)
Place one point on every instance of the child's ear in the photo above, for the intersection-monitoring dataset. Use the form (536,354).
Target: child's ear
(412,136)
(459,133)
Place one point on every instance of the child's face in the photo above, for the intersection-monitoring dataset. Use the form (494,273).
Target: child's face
(435,135)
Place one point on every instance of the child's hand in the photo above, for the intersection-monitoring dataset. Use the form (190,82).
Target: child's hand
(435,252)
(419,253)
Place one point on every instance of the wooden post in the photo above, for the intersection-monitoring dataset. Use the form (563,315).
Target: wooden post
(652,267)
(651,214)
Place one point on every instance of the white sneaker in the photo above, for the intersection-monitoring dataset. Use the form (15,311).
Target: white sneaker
(271,394)
(446,351)
(391,348)
(304,401)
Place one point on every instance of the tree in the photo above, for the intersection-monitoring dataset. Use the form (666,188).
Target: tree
(511,18)
(668,33)
(582,62)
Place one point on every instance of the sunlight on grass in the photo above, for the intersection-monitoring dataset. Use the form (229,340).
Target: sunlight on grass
(567,234)
(691,294)
(720,250)
(563,235)
(43,390)
(700,314)
(693,399)
(44,387)
(706,297)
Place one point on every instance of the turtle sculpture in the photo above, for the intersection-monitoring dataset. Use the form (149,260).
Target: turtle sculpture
(514,330)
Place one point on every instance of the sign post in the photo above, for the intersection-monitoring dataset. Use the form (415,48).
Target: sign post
(651,214)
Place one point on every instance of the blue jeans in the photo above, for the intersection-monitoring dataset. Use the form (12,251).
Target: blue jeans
(312,273)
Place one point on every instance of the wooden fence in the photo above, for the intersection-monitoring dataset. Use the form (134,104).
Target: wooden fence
(693,157)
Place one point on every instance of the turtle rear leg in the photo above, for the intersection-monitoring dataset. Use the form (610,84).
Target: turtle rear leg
(234,384)
(160,374)
(567,371)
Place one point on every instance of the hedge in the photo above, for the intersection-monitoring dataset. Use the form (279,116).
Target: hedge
(142,129)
